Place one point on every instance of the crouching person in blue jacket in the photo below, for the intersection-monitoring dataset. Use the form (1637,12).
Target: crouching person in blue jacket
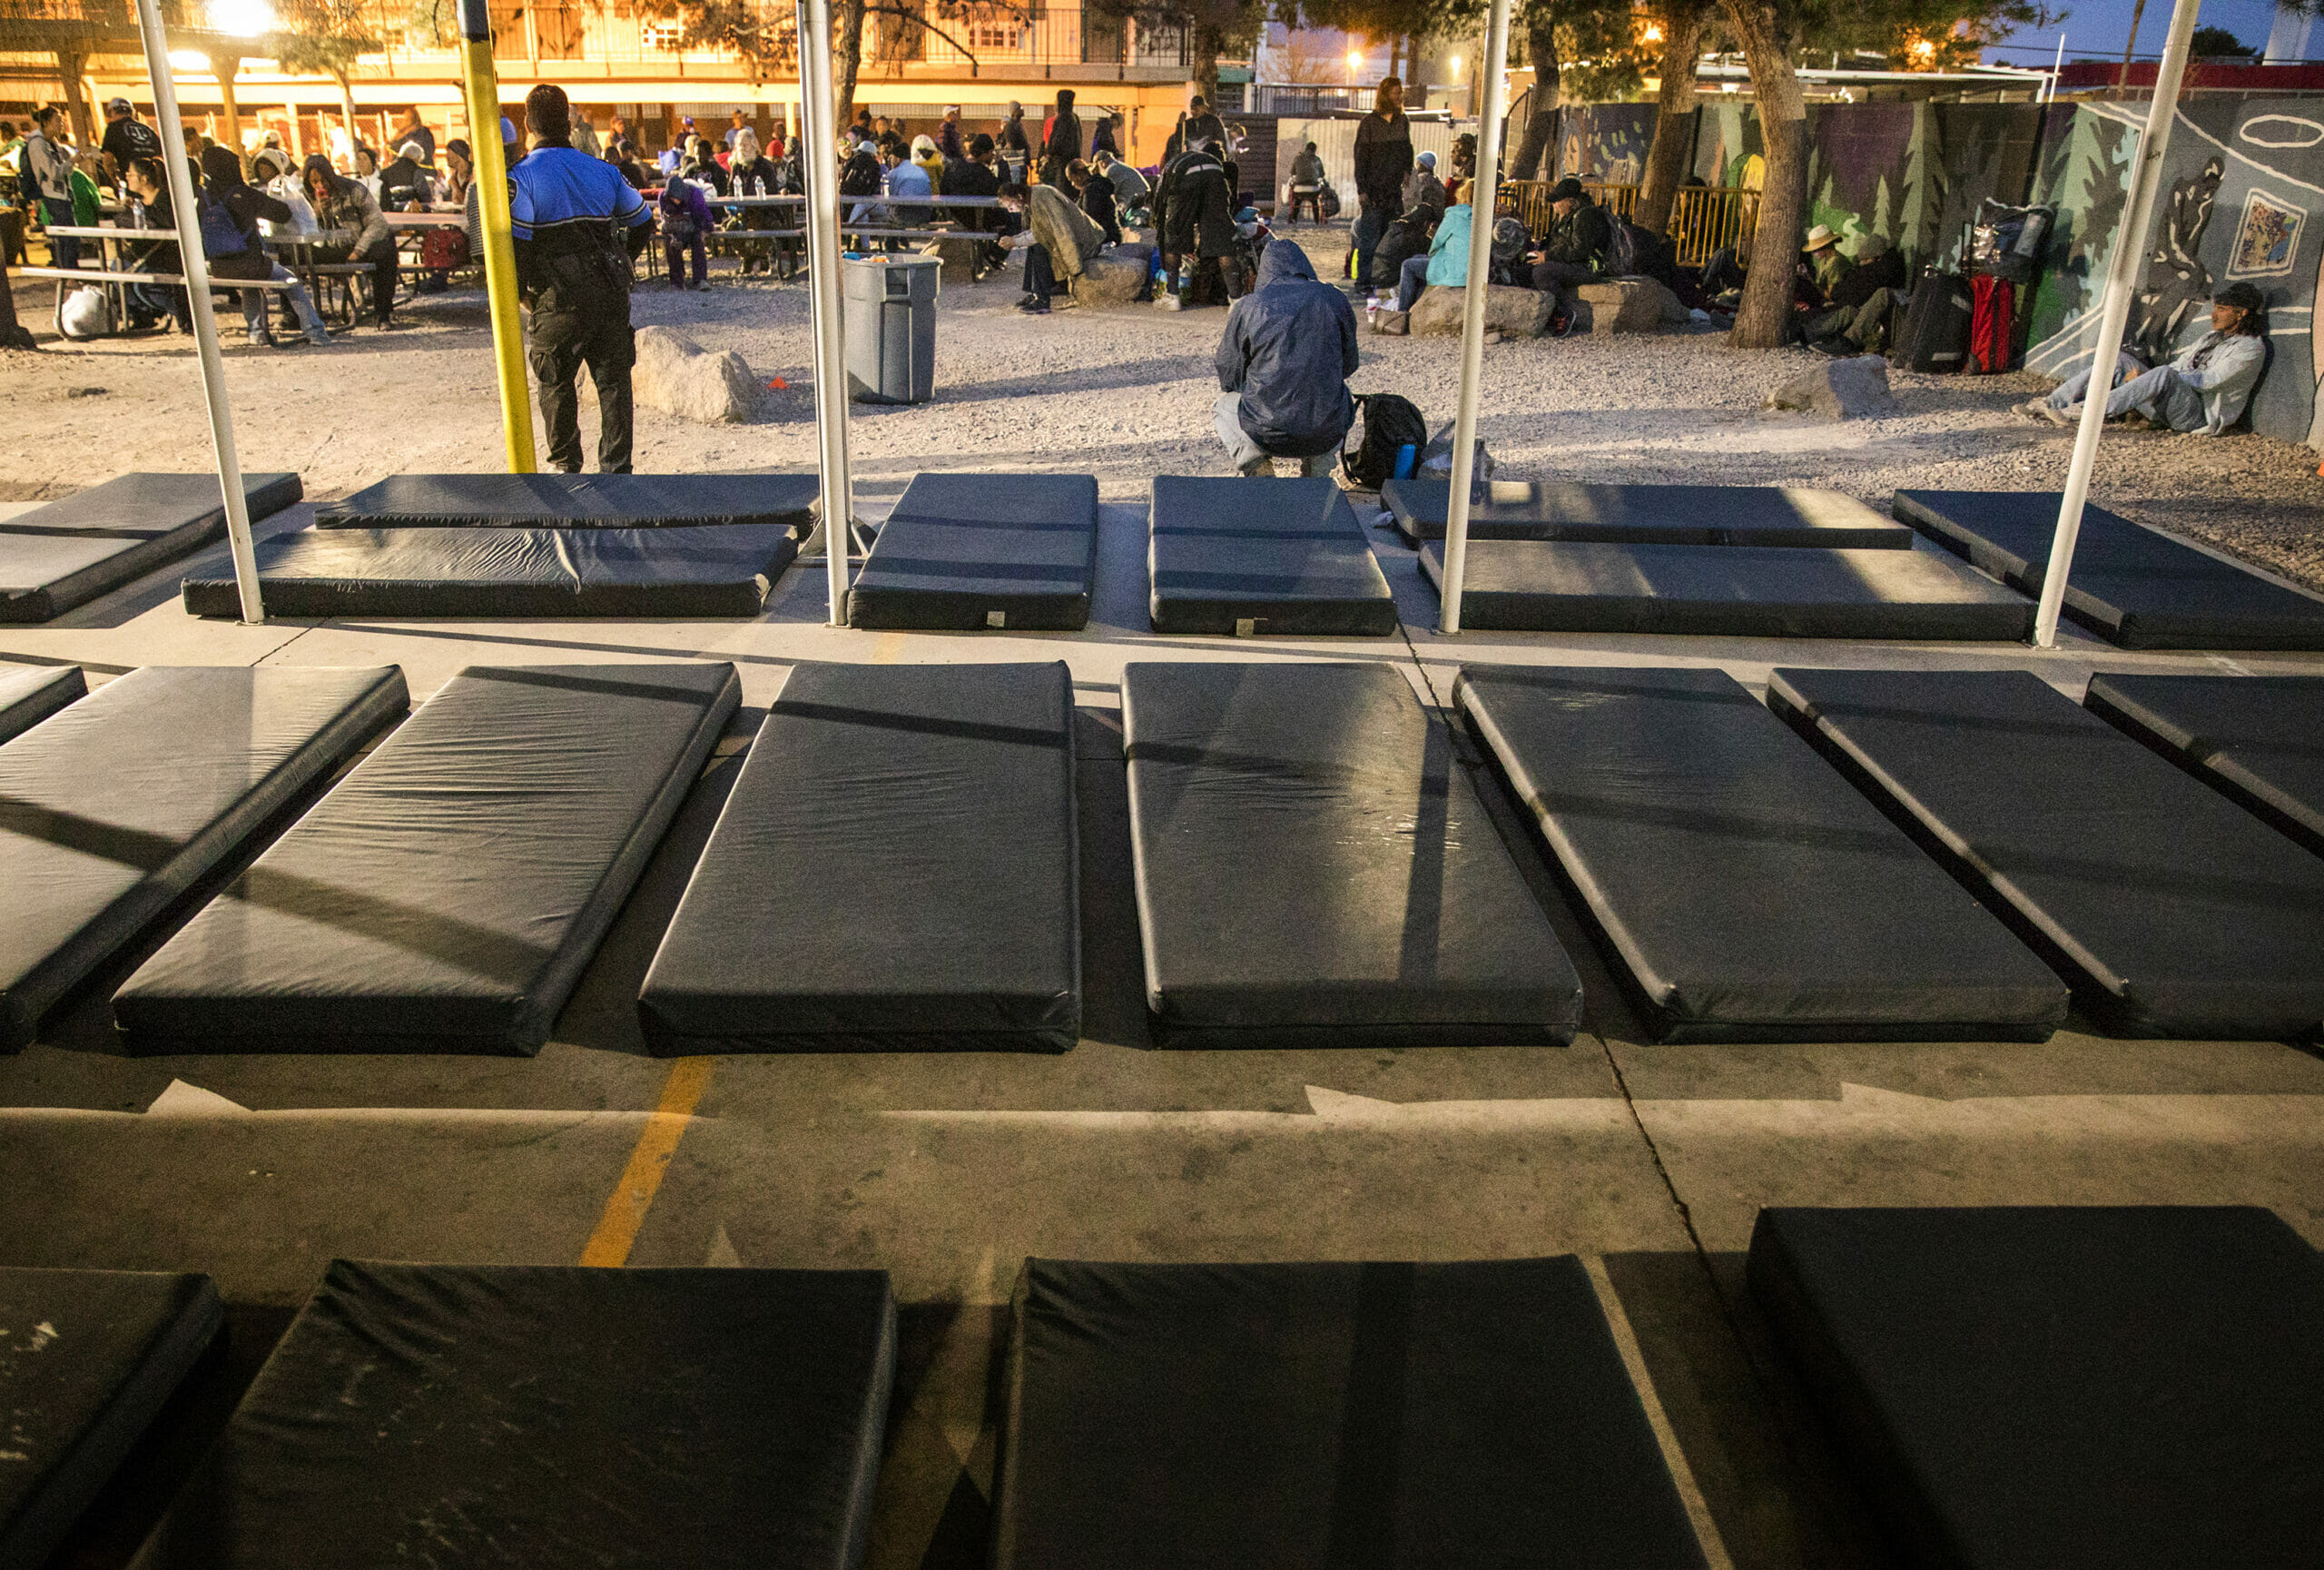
(1284,364)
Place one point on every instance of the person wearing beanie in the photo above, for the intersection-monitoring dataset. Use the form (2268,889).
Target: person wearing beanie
(1064,142)
(1424,189)
(2204,391)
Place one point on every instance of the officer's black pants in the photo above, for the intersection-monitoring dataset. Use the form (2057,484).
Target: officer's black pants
(563,341)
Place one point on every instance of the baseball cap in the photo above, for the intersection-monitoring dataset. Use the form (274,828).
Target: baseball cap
(120,104)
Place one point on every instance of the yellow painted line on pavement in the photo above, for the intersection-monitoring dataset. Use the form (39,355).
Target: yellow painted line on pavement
(617,1232)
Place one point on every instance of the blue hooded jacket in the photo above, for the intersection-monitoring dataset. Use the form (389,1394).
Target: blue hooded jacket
(1289,349)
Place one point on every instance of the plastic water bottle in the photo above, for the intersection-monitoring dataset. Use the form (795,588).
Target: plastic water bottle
(1186,281)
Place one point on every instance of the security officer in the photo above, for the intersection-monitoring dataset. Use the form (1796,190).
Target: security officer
(568,211)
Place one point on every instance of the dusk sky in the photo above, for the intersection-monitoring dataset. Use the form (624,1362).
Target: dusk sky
(2100,27)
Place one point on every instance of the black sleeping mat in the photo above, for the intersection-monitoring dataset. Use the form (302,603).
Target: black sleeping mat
(2130,586)
(447,895)
(2260,739)
(1314,867)
(723,571)
(1312,1417)
(675,1419)
(29,694)
(1263,556)
(87,1361)
(117,805)
(1647,514)
(968,551)
(1736,591)
(576,502)
(67,553)
(1748,891)
(895,868)
(2174,910)
(2024,1388)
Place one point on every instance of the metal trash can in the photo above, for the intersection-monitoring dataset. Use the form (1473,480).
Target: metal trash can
(889,308)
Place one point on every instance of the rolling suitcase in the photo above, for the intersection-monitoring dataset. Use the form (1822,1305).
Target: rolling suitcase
(1937,326)
(1992,329)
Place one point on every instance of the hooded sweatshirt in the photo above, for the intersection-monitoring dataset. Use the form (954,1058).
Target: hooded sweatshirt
(1289,349)
(348,204)
(223,182)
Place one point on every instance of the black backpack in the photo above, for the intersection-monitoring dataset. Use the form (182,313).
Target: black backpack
(1391,424)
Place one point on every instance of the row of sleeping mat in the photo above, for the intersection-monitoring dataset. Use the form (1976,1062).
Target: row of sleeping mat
(1775,562)
(2008,1388)
(1868,855)
(1224,556)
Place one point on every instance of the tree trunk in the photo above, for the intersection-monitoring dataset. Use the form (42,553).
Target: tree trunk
(1206,42)
(347,112)
(223,67)
(76,102)
(1541,54)
(851,59)
(1764,318)
(1674,120)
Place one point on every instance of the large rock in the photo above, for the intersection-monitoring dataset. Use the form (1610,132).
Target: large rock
(678,376)
(1511,311)
(1848,388)
(1629,305)
(1110,280)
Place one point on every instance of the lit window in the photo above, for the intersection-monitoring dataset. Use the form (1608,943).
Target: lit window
(996,36)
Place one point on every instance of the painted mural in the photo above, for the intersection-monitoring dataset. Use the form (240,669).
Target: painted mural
(2083,170)
(1606,143)
(2240,180)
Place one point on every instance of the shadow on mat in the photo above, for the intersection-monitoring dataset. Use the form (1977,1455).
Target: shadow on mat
(601,1013)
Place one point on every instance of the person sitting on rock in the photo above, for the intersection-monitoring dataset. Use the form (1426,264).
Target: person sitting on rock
(1446,262)
(1058,241)
(2202,392)
(1284,363)
(1858,300)
(1574,249)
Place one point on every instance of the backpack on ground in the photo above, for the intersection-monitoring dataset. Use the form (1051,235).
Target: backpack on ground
(1327,200)
(1394,435)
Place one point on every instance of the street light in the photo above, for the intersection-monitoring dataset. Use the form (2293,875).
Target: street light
(242,18)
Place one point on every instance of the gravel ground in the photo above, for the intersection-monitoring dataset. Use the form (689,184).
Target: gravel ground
(1123,395)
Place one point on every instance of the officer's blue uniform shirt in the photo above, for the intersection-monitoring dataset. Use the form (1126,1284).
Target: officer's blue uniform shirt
(553,186)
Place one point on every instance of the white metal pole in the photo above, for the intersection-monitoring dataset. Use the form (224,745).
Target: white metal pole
(196,270)
(2056,69)
(2121,276)
(818,122)
(1483,199)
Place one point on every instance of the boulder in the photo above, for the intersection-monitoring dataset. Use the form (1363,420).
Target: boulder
(1849,388)
(678,376)
(956,257)
(1394,323)
(1511,311)
(1629,305)
(1110,280)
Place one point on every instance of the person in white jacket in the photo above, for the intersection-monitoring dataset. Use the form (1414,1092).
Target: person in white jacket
(277,177)
(2204,391)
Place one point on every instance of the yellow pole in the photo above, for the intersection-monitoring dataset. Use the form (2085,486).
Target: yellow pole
(483,88)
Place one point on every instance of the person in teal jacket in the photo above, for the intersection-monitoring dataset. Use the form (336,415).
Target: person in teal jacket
(1447,262)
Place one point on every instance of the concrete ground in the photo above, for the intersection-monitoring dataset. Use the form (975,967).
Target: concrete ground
(948,1169)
